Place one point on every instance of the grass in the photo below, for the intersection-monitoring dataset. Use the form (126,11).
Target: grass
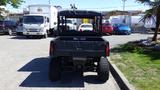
(141,67)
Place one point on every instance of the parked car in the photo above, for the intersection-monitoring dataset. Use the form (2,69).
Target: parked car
(107,28)
(7,27)
(19,29)
(85,27)
(121,29)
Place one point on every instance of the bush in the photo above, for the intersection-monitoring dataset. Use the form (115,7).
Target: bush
(138,50)
(132,47)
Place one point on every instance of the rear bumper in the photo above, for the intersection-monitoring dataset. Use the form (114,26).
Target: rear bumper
(107,31)
(19,33)
(123,31)
(92,53)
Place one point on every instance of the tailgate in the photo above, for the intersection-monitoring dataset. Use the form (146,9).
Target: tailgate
(80,47)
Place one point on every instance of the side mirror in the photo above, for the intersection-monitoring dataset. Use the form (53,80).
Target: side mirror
(55,23)
(20,24)
(75,23)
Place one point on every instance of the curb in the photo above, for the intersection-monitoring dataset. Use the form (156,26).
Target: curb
(121,80)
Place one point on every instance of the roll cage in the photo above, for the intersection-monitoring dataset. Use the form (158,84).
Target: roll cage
(95,17)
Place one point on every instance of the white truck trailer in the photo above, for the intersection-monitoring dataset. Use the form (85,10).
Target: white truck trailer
(41,20)
(150,24)
(129,20)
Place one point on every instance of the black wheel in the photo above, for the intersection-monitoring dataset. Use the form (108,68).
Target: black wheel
(55,69)
(27,36)
(111,33)
(45,35)
(129,33)
(115,32)
(10,32)
(126,33)
(103,69)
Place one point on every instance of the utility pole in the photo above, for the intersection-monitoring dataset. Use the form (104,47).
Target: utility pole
(49,1)
(124,3)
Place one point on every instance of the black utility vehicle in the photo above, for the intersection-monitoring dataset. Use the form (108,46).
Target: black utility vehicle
(80,50)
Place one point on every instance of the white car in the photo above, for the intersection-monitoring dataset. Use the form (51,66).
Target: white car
(85,27)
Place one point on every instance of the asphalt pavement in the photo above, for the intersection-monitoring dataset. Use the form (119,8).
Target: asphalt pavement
(24,66)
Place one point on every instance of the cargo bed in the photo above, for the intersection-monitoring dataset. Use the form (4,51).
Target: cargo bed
(88,46)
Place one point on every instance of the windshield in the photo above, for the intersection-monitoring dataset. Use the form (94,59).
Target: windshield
(123,25)
(1,22)
(67,21)
(33,19)
(86,26)
(106,24)
(11,23)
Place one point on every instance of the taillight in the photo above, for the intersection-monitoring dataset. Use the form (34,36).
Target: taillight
(81,30)
(52,48)
(107,49)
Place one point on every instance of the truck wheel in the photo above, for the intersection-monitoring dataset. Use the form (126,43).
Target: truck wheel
(45,35)
(103,69)
(55,69)
(28,37)
(10,32)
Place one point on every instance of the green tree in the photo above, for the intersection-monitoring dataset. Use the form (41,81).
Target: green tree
(150,13)
(13,3)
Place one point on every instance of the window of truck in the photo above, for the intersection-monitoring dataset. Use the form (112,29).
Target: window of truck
(33,19)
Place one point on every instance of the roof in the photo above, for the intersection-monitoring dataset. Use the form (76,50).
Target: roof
(79,14)
(86,24)
(43,5)
(34,15)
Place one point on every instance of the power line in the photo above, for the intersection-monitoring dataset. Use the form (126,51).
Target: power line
(110,7)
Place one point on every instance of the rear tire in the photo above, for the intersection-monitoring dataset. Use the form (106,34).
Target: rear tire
(103,69)
(45,35)
(55,69)
(28,37)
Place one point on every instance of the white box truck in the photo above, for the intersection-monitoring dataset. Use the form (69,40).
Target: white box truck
(41,20)
(150,24)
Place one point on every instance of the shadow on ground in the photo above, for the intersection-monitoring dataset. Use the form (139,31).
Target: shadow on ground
(39,76)
(25,38)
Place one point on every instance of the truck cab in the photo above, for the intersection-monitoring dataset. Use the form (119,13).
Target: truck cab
(35,25)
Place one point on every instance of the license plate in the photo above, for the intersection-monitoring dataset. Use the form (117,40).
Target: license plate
(33,30)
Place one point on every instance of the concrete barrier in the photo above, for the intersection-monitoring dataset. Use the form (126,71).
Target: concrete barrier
(122,82)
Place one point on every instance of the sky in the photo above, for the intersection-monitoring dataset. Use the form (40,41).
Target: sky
(100,5)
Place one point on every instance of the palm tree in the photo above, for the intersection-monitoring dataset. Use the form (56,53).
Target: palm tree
(150,13)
